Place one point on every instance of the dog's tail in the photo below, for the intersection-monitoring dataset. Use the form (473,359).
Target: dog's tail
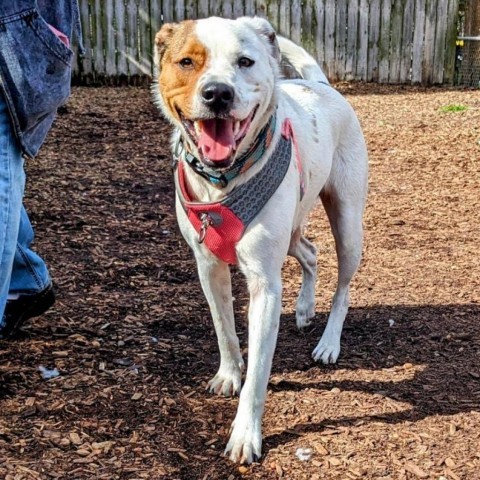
(303,63)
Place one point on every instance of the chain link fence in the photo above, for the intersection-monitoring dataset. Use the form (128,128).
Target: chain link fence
(468,44)
(468,61)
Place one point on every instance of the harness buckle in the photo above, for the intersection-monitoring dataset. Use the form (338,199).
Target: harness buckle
(206,222)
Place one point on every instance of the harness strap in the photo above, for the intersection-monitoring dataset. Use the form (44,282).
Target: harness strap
(221,224)
(287,132)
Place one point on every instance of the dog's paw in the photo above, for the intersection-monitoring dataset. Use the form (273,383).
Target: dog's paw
(245,444)
(304,313)
(226,382)
(304,318)
(327,350)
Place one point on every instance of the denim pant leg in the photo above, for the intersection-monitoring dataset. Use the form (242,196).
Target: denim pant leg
(12,182)
(29,274)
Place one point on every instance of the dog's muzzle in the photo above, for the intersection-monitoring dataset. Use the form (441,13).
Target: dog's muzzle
(218,97)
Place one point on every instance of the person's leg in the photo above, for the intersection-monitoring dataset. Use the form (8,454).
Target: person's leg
(29,272)
(25,285)
(12,181)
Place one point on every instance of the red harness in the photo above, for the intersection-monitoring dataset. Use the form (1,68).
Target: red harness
(221,225)
(223,236)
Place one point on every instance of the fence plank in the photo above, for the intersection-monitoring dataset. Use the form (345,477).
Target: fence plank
(362,50)
(340,38)
(407,41)
(374,37)
(450,45)
(319,15)
(384,43)
(98,51)
(144,37)
(109,36)
(190,9)
(273,14)
(429,49)
(168,10)
(285,18)
(352,26)
(330,37)
(440,34)
(227,11)
(179,10)
(238,8)
(295,21)
(396,41)
(132,53)
(120,40)
(418,41)
(156,19)
(83,68)
(215,8)
(308,37)
(249,7)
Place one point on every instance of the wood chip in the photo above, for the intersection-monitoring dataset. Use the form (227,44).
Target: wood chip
(334,461)
(82,452)
(452,475)
(320,449)
(449,463)
(75,438)
(416,470)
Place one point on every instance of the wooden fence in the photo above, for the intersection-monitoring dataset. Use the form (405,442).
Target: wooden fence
(387,41)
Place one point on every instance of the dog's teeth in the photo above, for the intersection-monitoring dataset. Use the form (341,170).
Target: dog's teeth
(236,128)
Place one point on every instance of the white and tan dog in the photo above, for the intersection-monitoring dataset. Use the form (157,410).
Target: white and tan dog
(218,82)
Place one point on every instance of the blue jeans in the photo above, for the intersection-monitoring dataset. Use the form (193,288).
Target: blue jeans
(22,271)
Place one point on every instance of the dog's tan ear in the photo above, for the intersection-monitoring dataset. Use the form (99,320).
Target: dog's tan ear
(264,28)
(162,40)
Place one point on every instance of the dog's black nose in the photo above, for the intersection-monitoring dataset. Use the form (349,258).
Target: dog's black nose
(218,96)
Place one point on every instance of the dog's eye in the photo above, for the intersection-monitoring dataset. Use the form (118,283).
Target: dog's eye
(186,62)
(245,62)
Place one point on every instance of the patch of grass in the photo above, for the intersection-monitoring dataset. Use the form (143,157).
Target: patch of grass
(453,108)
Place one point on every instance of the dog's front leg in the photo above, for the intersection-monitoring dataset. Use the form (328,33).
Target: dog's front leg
(245,444)
(216,283)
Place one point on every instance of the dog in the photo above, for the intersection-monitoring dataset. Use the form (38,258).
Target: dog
(253,153)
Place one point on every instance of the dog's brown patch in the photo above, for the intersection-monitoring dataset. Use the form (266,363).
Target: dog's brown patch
(177,83)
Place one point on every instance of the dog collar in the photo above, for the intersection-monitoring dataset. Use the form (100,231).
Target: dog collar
(249,158)
(222,224)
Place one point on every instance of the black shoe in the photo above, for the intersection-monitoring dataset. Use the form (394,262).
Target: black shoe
(25,307)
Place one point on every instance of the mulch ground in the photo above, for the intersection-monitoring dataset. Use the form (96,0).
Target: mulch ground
(131,337)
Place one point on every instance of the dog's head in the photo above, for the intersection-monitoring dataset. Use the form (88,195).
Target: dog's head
(216,81)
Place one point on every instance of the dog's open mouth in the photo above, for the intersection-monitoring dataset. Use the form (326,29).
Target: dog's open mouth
(217,138)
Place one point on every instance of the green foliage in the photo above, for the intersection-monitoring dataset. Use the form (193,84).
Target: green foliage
(453,108)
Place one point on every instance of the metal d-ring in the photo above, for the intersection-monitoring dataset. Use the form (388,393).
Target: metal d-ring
(206,222)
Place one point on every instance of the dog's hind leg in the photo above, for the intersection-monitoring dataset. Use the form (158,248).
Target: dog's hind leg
(343,198)
(216,283)
(306,254)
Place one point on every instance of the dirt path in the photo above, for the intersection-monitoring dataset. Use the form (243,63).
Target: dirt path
(134,345)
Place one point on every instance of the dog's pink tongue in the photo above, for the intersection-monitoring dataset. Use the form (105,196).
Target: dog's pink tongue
(216,141)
